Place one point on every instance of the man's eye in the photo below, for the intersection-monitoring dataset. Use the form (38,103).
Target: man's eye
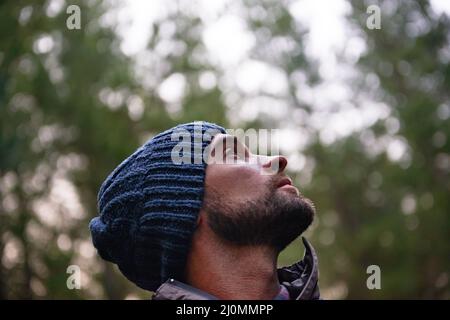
(229,152)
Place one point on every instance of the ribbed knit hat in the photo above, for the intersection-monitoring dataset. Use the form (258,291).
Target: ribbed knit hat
(148,206)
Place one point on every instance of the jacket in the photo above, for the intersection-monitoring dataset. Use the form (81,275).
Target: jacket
(300,279)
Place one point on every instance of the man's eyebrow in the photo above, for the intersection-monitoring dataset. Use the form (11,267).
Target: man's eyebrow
(235,143)
(233,140)
(225,141)
(218,142)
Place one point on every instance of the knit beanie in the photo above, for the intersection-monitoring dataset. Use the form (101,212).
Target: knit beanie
(148,206)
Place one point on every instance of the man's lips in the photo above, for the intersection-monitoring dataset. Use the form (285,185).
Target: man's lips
(283,182)
(286,183)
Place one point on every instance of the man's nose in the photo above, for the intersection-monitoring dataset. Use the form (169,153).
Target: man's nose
(277,164)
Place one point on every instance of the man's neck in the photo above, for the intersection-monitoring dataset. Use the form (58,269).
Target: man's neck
(232,272)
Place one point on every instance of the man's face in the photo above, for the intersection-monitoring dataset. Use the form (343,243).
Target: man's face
(248,198)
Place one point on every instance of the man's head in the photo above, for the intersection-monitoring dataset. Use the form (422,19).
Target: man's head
(150,204)
(249,199)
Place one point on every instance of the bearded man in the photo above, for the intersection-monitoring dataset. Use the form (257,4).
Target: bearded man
(204,218)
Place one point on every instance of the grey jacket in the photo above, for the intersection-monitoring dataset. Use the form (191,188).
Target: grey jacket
(301,280)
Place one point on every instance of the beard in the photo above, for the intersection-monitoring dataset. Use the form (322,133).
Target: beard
(274,220)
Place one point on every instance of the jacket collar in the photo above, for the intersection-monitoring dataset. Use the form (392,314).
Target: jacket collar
(300,279)
(176,290)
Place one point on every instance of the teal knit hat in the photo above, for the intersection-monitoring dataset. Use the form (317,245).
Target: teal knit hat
(148,206)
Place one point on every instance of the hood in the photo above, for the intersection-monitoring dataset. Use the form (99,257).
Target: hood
(301,280)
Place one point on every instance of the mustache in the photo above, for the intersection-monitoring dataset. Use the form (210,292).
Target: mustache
(271,184)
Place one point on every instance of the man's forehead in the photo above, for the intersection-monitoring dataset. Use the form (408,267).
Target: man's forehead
(222,138)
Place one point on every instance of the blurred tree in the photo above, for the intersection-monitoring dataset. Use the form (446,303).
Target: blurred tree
(72,106)
(383,192)
(55,129)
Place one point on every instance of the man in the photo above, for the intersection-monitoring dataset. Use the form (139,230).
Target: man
(201,217)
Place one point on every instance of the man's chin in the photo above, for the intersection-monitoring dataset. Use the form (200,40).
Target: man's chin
(310,208)
(304,205)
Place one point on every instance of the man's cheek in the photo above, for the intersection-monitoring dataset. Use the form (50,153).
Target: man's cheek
(242,176)
(246,183)
(235,178)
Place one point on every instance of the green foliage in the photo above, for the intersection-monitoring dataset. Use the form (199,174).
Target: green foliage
(72,106)
(64,114)
(394,214)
